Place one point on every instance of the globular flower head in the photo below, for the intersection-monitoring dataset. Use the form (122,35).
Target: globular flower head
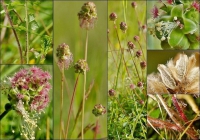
(196,5)
(112,92)
(139,53)
(81,66)
(178,76)
(134,4)
(170,1)
(65,57)
(99,110)
(87,15)
(136,38)
(123,26)
(155,12)
(140,84)
(130,45)
(113,16)
(143,64)
(132,86)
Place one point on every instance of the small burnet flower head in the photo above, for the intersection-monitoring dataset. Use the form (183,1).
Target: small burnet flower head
(155,12)
(170,1)
(139,53)
(81,66)
(123,26)
(112,92)
(99,110)
(134,4)
(196,5)
(140,84)
(144,28)
(132,86)
(65,57)
(136,38)
(130,45)
(143,64)
(87,15)
(113,16)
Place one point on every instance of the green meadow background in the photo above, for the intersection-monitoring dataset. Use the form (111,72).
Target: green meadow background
(67,30)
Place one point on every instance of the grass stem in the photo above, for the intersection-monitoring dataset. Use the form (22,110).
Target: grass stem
(27,32)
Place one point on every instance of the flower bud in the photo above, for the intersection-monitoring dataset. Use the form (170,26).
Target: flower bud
(143,64)
(99,110)
(130,45)
(139,53)
(140,84)
(136,38)
(123,26)
(81,66)
(113,16)
(134,4)
(111,92)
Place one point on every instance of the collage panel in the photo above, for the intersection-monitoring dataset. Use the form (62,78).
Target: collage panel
(173,25)
(26,32)
(173,94)
(80,68)
(127,96)
(26,102)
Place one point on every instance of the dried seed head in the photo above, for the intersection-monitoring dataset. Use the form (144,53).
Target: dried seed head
(87,15)
(81,66)
(134,4)
(113,16)
(99,110)
(130,45)
(123,26)
(143,64)
(139,53)
(111,92)
(136,38)
(65,57)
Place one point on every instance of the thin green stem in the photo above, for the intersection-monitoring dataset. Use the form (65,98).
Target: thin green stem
(122,51)
(71,104)
(4,114)
(15,33)
(84,91)
(27,35)
(141,49)
(61,99)
(135,65)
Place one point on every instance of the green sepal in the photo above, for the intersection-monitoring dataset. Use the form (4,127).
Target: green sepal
(177,11)
(189,26)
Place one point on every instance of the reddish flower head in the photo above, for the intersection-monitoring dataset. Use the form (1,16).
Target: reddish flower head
(155,12)
(196,5)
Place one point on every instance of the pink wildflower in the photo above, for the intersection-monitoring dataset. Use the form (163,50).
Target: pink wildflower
(196,5)
(155,12)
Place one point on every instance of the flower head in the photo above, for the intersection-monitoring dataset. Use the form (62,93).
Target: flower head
(155,12)
(99,110)
(130,45)
(196,5)
(65,57)
(113,16)
(81,66)
(123,26)
(139,53)
(170,1)
(112,92)
(136,38)
(87,15)
(134,4)
(178,76)
(143,64)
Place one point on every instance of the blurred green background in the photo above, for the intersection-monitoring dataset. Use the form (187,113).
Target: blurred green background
(12,121)
(67,30)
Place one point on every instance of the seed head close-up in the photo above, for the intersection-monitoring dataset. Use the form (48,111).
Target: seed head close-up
(178,76)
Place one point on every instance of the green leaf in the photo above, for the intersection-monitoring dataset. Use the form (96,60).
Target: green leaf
(194,45)
(189,26)
(165,45)
(192,38)
(167,8)
(166,18)
(177,11)
(178,40)
(155,113)
(192,15)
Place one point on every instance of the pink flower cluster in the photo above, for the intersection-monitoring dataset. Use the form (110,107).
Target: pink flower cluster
(196,5)
(33,84)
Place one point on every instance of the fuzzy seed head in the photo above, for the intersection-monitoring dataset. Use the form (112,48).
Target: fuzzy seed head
(99,110)
(65,57)
(81,66)
(113,16)
(87,15)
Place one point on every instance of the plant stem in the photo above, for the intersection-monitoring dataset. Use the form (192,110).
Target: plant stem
(141,49)
(84,91)
(96,128)
(135,65)
(4,114)
(15,34)
(61,99)
(27,35)
(70,108)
